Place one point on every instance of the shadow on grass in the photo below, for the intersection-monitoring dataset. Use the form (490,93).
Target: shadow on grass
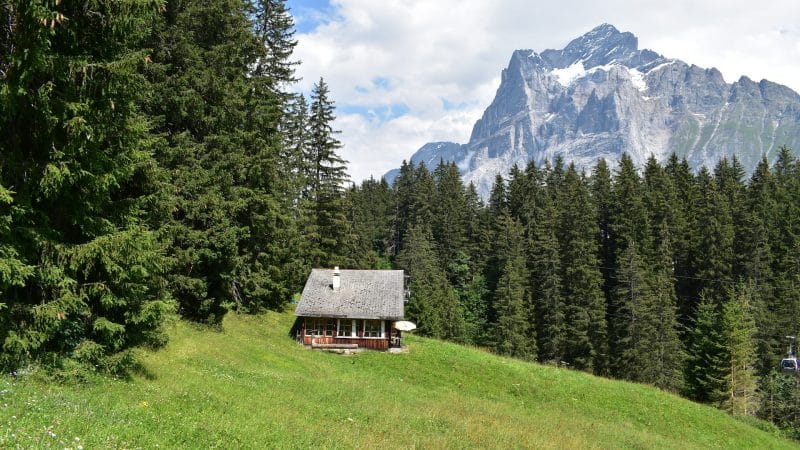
(139,369)
(295,330)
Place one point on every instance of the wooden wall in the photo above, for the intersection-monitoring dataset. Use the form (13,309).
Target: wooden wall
(369,343)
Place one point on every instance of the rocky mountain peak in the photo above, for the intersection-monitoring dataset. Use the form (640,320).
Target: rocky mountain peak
(600,46)
(600,96)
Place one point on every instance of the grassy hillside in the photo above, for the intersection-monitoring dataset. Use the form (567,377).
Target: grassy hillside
(250,386)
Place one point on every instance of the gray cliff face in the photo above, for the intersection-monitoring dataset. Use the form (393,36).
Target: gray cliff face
(601,96)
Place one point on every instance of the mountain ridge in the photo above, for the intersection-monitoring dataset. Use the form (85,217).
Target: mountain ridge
(601,96)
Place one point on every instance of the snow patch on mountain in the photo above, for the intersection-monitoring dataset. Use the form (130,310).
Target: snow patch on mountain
(637,78)
(569,74)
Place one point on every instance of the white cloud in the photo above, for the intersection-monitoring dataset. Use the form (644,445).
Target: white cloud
(418,53)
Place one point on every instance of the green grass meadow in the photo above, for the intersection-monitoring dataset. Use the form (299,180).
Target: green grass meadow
(251,386)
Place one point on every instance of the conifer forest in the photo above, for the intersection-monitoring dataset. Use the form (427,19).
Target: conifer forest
(156,164)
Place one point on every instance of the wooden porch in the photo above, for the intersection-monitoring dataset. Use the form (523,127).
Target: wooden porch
(325,333)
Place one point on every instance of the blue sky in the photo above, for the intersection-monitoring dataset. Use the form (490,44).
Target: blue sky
(309,14)
(407,72)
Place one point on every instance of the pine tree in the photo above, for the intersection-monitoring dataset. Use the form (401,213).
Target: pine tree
(730,185)
(478,240)
(423,207)
(513,334)
(274,27)
(631,244)
(585,341)
(470,286)
(714,234)
(739,330)
(546,284)
(81,273)
(268,270)
(202,56)
(680,176)
(787,179)
(518,198)
(706,363)
(403,194)
(785,243)
(666,346)
(601,195)
(496,212)
(14,272)
(780,402)
(634,319)
(554,175)
(651,350)
(668,219)
(371,205)
(498,197)
(449,213)
(756,233)
(433,305)
(665,210)
(328,181)
(292,162)
(629,221)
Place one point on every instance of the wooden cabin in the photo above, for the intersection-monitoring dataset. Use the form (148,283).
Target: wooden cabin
(351,309)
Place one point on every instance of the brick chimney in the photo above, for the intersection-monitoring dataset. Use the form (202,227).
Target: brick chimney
(336,279)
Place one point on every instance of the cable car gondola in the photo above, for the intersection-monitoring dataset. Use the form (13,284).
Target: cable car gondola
(790,363)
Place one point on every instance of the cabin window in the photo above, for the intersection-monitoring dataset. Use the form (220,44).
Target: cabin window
(345,328)
(314,327)
(330,327)
(372,328)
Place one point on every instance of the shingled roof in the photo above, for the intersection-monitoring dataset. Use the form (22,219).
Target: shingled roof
(363,294)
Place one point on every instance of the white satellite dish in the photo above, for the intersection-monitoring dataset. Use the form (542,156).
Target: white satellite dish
(404,325)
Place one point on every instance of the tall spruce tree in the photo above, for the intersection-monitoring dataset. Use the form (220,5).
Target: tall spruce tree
(714,235)
(329,175)
(292,162)
(706,362)
(202,55)
(470,286)
(785,242)
(449,213)
(756,233)
(585,336)
(633,318)
(546,283)
(423,207)
(601,195)
(730,184)
(666,347)
(496,211)
(403,194)
(371,205)
(739,329)
(681,177)
(82,273)
(498,197)
(273,25)
(478,227)
(649,348)
(519,196)
(433,304)
(631,244)
(629,221)
(268,271)
(512,331)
